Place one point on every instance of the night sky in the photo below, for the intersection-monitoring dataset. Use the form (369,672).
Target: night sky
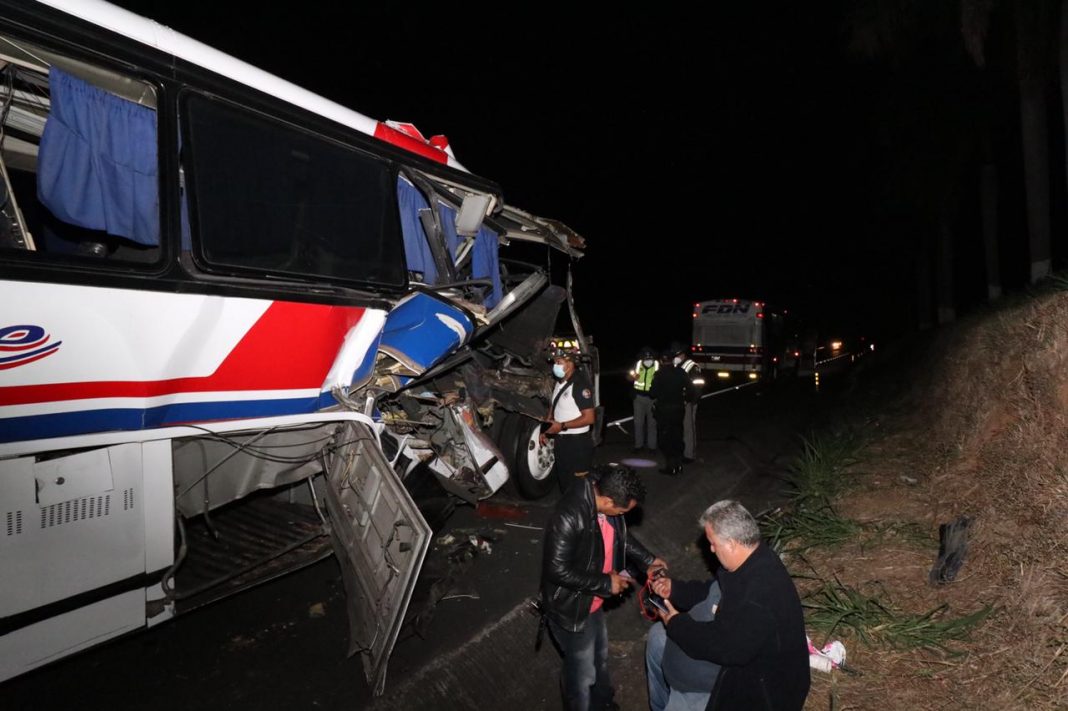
(749,149)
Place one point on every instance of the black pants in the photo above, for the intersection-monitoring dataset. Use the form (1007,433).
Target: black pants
(669,434)
(573,454)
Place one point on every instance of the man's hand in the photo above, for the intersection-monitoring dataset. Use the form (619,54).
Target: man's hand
(657,563)
(552,429)
(665,617)
(619,583)
(662,587)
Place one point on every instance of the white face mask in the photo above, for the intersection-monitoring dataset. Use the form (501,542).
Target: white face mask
(648,363)
(558,371)
(677,361)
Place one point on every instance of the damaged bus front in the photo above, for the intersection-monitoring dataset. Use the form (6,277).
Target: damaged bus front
(236,319)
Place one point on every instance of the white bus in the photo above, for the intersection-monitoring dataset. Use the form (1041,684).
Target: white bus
(737,339)
(235,319)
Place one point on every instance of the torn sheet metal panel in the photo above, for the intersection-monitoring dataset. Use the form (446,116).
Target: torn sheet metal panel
(355,361)
(380,540)
(422,329)
(513,223)
(472,466)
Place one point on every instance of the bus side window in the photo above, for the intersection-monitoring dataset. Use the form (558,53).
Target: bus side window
(78,160)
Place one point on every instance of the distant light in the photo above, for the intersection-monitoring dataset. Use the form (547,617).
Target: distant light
(753,376)
(873,346)
(775,359)
(735,300)
(797,354)
(723,374)
(835,345)
(760,315)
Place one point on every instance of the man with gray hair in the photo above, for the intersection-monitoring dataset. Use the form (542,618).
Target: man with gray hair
(757,631)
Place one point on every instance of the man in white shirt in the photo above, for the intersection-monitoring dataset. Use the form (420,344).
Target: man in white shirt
(570,417)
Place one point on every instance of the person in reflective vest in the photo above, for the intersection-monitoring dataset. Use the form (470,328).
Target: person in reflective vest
(644,421)
(671,391)
(689,417)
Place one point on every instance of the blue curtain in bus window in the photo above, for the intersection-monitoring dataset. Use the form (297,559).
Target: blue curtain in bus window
(416,250)
(96,167)
(483,254)
(447,216)
(484,263)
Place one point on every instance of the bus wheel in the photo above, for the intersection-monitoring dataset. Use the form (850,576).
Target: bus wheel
(532,462)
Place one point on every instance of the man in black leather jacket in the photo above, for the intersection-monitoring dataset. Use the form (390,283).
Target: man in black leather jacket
(577,576)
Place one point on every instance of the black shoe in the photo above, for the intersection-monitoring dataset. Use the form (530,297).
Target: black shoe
(688,460)
(637,449)
(667,470)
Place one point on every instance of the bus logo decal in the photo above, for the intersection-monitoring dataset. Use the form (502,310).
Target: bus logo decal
(24,344)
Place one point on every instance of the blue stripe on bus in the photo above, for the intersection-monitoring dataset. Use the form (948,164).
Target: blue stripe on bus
(64,424)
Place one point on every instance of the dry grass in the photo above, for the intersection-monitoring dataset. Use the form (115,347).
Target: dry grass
(983,434)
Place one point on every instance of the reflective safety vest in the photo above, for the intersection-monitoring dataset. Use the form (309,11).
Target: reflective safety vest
(694,371)
(643,377)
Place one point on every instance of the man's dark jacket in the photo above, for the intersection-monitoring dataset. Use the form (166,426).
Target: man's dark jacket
(574,557)
(671,389)
(758,636)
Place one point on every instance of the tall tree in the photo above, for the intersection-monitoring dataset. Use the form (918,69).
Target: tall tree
(1035,40)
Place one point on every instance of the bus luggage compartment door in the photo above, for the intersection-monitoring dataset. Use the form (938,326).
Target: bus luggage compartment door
(72,553)
(380,540)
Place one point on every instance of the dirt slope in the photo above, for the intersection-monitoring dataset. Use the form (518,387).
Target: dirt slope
(982,431)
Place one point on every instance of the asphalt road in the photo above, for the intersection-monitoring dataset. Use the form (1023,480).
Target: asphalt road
(283,645)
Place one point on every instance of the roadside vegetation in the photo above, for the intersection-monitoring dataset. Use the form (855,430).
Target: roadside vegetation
(980,430)
(820,475)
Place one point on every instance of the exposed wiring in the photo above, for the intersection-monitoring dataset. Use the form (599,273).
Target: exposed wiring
(183,549)
(315,499)
(249,449)
(239,447)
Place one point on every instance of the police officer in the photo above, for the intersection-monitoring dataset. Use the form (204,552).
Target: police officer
(689,416)
(644,421)
(571,414)
(671,390)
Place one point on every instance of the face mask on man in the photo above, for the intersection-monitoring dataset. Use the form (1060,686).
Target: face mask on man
(677,361)
(648,362)
(558,371)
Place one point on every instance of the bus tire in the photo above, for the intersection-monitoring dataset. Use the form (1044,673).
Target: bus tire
(531,463)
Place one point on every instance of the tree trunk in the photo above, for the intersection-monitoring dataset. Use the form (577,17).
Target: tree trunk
(1062,60)
(923,286)
(947,312)
(988,192)
(1035,136)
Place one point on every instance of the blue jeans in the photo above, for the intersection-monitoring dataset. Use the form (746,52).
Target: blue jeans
(661,696)
(689,676)
(585,680)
